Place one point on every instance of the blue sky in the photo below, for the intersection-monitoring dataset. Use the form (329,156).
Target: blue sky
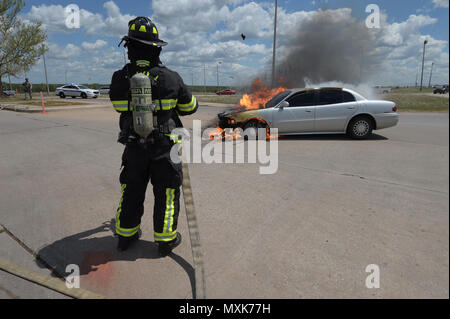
(202,32)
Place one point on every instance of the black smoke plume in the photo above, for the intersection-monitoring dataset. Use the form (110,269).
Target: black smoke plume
(329,46)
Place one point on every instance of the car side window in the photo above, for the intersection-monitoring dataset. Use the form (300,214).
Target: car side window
(302,99)
(347,97)
(330,97)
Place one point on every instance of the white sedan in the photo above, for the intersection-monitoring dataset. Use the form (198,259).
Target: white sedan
(317,111)
(74,90)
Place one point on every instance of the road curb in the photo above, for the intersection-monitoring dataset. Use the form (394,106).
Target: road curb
(26,109)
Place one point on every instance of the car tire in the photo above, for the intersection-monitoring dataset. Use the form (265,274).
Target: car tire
(62,95)
(73,97)
(255,124)
(83,95)
(360,127)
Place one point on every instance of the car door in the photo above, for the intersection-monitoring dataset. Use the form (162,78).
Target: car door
(76,91)
(298,117)
(66,90)
(69,90)
(333,110)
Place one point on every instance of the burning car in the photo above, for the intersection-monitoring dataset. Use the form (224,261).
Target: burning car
(326,110)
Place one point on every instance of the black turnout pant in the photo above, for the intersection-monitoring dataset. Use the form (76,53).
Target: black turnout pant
(140,166)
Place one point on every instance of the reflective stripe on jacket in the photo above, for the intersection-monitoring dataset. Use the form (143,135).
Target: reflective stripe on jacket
(169,93)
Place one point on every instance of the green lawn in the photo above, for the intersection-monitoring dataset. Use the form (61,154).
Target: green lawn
(417,102)
(412,90)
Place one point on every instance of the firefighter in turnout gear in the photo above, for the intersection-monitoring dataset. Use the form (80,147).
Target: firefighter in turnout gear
(147,156)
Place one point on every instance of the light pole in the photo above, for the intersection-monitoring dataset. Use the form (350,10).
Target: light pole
(218,63)
(274,43)
(65,75)
(204,78)
(423,61)
(46,78)
(431,73)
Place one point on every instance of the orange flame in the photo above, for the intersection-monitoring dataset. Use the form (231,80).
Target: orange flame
(261,94)
(225,134)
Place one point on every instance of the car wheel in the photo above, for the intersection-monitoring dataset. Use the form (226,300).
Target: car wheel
(360,127)
(73,97)
(253,127)
(62,95)
(83,95)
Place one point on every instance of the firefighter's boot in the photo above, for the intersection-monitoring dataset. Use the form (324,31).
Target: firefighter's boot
(165,248)
(125,242)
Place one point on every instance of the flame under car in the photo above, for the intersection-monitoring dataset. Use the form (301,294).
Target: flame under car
(315,111)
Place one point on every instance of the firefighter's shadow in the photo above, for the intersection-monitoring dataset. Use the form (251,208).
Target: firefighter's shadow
(90,252)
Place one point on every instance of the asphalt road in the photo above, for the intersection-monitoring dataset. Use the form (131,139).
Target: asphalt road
(334,206)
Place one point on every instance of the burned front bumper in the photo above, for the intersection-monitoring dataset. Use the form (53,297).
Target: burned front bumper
(226,121)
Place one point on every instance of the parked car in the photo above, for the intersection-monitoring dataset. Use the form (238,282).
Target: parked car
(75,90)
(382,89)
(316,111)
(9,92)
(104,90)
(226,92)
(441,89)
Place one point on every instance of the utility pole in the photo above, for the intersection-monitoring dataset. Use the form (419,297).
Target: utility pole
(124,57)
(65,75)
(204,78)
(9,78)
(46,78)
(423,61)
(431,73)
(220,62)
(274,43)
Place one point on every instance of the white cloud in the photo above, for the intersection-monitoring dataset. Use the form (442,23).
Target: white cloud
(57,52)
(53,18)
(441,3)
(93,46)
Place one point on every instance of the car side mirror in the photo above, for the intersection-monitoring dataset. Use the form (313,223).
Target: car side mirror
(283,104)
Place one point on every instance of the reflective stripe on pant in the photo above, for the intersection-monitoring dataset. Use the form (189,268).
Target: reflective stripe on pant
(125,232)
(165,215)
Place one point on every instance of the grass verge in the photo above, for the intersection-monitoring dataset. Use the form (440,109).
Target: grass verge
(418,103)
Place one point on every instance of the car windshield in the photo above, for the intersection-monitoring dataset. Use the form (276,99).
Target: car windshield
(277,99)
(82,87)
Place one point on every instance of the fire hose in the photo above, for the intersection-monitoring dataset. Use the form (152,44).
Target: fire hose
(200,290)
(46,281)
(56,284)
